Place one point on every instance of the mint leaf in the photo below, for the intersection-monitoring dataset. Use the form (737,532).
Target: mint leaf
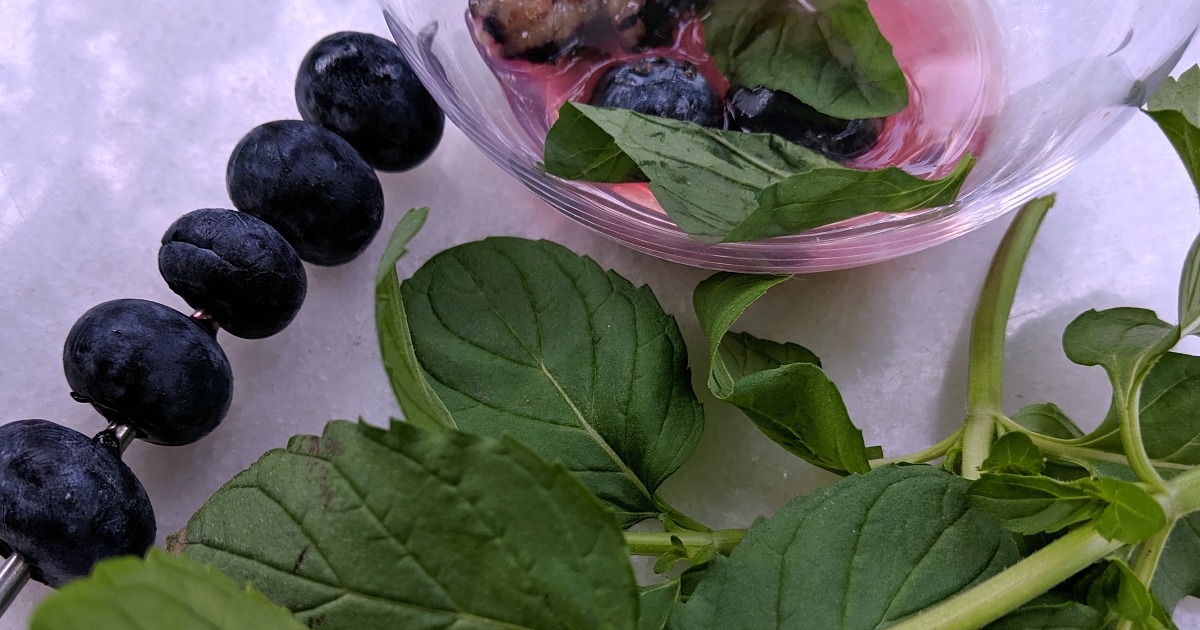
(1175,106)
(421,405)
(728,185)
(1029,505)
(161,591)
(862,553)
(655,605)
(1015,453)
(529,340)
(793,403)
(1124,341)
(1047,419)
(408,528)
(1178,574)
(1051,616)
(834,58)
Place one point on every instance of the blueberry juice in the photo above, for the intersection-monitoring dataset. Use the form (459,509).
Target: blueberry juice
(946,49)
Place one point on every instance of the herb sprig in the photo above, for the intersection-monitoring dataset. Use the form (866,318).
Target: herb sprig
(1026,523)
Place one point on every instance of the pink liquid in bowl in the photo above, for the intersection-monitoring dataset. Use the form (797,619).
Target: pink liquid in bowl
(943,47)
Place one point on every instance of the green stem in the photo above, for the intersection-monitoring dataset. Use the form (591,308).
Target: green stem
(1131,432)
(1006,591)
(979,433)
(1046,568)
(920,457)
(1147,561)
(658,543)
(988,327)
(679,519)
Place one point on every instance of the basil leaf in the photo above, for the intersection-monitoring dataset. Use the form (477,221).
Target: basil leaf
(793,403)
(1175,106)
(408,528)
(1047,419)
(421,405)
(1015,453)
(1189,292)
(834,58)
(1051,616)
(711,182)
(1124,341)
(1178,574)
(1131,515)
(825,196)
(161,591)
(1170,427)
(1029,505)
(864,552)
(1117,590)
(655,605)
(529,340)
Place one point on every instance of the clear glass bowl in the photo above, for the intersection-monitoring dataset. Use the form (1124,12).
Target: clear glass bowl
(1058,78)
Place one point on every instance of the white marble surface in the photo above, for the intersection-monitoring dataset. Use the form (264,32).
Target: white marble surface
(118,116)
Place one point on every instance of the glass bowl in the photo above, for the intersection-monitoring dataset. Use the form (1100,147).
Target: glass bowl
(1036,85)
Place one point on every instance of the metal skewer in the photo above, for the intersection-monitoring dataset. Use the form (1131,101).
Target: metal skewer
(14,573)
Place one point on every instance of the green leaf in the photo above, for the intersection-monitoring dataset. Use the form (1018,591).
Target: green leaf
(1028,505)
(421,405)
(1170,426)
(655,605)
(677,554)
(825,196)
(834,59)
(729,185)
(1015,453)
(161,591)
(1124,341)
(408,528)
(863,553)
(1047,419)
(1117,590)
(1178,574)
(1189,292)
(529,340)
(1175,106)
(1051,616)
(780,387)
(1131,515)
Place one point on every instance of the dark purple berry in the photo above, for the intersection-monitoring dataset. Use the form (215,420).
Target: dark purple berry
(236,268)
(151,367)
(662,17)
(67,501)
(311,185)
(661,87)
(761,110)
(361,87)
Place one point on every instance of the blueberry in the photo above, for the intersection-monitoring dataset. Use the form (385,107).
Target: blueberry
(151,367)
(661,87)
(311,185)
(761,110)
(361,87)
(238,269)
(662,17)
(67,501)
